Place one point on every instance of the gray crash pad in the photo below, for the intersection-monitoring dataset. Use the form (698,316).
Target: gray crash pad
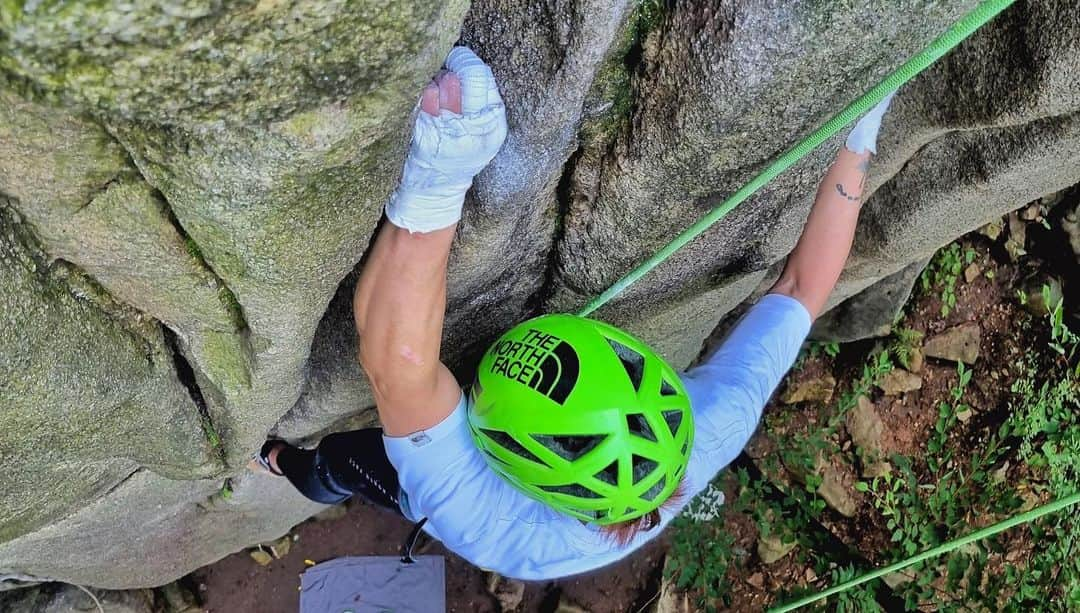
(375,584)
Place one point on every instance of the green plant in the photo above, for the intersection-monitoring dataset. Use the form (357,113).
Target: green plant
(958,483)
(920,514)
(876,366)
(802,455)
(857,600)
(698,560)
(649,14)
(1045,415)
(937,454)
(1062,340)
(799,503)
(943,271)
(989,473)
(193,250)
(785,518)
(904,343)
(815,349)
(891,499)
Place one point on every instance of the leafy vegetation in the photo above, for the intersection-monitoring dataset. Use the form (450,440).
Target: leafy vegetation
(974,468)
(905,342)
(815,349)
(701,552)
(860,599)
(1046,419)
(959,493)
(922,514)
(943,272)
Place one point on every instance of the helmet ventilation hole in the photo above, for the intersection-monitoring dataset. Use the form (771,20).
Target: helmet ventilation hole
(510,444)
(609,475)
(569,447)
(674,420)
(655,490)
(572,489)
(639,426)
(632,361)
(667,389)
(643,467)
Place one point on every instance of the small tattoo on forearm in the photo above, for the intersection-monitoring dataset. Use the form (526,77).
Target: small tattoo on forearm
(840,189)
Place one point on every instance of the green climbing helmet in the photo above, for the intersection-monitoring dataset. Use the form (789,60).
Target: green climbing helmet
(583,417)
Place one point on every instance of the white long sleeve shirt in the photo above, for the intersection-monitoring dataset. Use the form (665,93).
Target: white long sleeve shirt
(484,519)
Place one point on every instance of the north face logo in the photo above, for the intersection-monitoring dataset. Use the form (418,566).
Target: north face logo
(544,362)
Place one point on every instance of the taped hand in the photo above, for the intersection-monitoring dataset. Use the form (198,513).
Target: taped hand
(451,143)
(864,135)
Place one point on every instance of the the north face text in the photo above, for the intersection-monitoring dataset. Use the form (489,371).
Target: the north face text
(541,361)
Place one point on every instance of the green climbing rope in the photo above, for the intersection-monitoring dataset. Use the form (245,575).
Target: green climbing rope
(971,22)
(1002,526)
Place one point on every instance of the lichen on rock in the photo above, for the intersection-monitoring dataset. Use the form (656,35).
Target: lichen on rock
(205,60)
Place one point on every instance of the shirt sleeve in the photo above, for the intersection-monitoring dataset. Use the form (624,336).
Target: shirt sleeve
(481,517)
(731,387)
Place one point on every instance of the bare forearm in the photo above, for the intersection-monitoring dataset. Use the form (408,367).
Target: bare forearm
(403,265)
(814,266)
(399,305)
(400,298)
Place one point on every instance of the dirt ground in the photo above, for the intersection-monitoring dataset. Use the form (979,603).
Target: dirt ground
(236,584)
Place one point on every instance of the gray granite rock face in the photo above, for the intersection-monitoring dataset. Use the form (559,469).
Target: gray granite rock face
(871,312)
(88,394)
(188,187)
(88,205)
(711,104)
(150,528)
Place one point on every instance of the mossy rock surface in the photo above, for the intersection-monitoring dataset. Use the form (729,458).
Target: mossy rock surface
(87,395)
(177,61)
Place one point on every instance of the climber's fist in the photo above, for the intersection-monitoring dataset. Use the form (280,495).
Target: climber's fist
(459,129)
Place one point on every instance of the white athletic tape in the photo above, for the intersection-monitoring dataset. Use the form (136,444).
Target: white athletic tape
(447,151)
(864,135)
